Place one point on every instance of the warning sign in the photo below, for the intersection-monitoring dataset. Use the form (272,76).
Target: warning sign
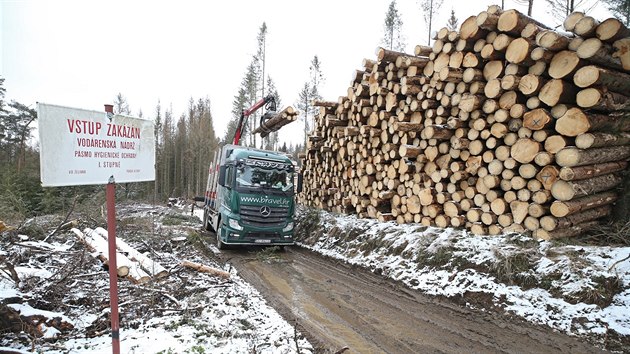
(80,147)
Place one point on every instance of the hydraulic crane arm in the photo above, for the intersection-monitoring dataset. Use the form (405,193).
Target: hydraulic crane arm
(271,105)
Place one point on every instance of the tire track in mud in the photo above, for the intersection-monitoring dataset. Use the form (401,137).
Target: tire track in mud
(339,305)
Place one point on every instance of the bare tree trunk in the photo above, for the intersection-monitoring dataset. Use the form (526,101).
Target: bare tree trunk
(430,21)
(22,155)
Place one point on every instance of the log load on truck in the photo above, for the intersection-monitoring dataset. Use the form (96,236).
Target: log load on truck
(250,194)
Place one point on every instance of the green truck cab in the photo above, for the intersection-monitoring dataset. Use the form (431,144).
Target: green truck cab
(250,199)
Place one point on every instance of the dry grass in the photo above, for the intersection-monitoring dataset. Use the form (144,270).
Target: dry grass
(514,268)
(610,234)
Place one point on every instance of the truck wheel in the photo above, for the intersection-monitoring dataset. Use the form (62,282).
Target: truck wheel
(206,221)
(220,244)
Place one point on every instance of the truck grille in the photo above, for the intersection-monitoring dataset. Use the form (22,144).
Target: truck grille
(257,216)
(261,235)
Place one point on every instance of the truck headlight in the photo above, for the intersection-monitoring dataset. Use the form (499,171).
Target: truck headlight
(234,224)
(289,227)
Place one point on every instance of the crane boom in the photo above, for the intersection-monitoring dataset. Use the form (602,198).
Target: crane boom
(269,100)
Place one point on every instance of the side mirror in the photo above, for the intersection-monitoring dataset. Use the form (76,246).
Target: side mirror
(222,173)
(300,182)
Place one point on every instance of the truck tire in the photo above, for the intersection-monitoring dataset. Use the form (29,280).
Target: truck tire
(220,244)
(206,221)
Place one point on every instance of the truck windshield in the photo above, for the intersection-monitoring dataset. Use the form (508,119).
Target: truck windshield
(256,177)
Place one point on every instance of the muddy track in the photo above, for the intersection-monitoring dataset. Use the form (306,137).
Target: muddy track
(343,306)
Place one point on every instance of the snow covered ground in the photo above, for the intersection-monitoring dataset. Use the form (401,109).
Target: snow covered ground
(580,290)
(187,312)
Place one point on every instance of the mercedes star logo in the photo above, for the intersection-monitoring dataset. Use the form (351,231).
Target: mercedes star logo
(265,211)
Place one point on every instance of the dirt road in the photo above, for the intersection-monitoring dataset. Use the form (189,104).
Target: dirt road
(340,306)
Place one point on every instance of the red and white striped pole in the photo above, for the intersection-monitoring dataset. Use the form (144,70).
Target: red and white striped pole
(110,196)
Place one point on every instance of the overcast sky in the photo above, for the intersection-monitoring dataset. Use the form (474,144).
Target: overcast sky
(82,53)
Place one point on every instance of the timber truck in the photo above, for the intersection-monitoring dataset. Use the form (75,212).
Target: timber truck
(250,194)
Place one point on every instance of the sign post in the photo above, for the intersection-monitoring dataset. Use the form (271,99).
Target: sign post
(81,147)
(110,197)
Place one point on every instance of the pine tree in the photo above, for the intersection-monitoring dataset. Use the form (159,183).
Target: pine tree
(157,130)
(168,153)
(17,131)
(250,84)
(310,93)
(2,110)
(317,77)
(393,38)
(251,91)
(271,140)
(20,189)
(621,10)
(261,56)
(430,8)
(120,105)
(238,105)
(304,106)
(452,24)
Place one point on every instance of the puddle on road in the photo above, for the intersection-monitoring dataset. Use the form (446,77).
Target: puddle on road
(280,285)
(313,305)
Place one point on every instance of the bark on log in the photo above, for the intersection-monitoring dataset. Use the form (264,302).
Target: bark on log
(575,122)
(602,100)
(564,190)
(571,156)
(206,269)
(279,120)
(594,140)
(595,76)
(561,209)
(147,264)
(599,53)
(99,249)
(611,30)
(590,171)
(572,231)
(386,55)
(551,223)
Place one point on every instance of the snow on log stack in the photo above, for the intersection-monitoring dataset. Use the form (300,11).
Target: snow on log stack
(506,125)
(130,263)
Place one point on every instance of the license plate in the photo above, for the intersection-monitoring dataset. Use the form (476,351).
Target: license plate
(262,241)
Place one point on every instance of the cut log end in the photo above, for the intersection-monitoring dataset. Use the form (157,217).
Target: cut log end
(563,64)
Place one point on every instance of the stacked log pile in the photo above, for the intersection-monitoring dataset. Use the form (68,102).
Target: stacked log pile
(276,121)
(503,126)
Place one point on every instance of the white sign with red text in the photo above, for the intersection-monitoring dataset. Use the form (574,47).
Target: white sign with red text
(80,147)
